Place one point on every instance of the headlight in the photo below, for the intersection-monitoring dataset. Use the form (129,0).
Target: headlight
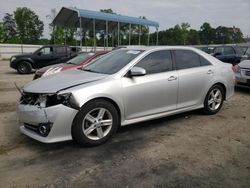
(65,98)
(52,71)
(68,99)
(42,99)
(13,59)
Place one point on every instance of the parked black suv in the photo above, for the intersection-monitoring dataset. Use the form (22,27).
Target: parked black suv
(44,56)
(229,54)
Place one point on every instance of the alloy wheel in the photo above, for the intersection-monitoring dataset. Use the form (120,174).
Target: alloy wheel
(214,99)
(97,123)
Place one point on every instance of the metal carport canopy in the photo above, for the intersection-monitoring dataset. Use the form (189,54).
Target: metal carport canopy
(69,17)
(88,19)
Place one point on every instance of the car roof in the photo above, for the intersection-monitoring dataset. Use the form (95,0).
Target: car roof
(148,48)
(54,45)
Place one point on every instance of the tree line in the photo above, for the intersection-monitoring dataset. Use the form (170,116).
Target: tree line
(24,26)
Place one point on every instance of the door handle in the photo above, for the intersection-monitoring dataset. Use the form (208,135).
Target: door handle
(210,72)
(171,78)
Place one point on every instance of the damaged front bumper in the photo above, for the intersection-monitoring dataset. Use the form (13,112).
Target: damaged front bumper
(48,124)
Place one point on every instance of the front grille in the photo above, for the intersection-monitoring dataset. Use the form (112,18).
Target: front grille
(247,72)
(31,127)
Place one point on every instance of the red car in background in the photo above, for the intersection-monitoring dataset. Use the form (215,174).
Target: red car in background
(77,62)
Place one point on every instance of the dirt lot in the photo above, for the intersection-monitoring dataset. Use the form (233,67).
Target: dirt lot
(187,150)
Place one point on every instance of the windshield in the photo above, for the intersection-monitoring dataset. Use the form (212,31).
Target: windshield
(80,58)
(112,62)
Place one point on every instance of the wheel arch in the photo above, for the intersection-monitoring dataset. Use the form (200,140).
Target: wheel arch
(26,60)
(109,100)
(224,88)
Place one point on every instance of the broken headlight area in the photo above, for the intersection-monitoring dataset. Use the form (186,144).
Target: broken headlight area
(47,100)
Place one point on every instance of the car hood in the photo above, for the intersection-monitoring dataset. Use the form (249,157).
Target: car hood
(245,64)
(63,80)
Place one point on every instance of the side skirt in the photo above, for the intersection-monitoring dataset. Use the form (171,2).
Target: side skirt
(159,115)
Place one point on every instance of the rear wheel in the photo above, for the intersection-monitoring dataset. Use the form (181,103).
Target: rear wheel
(24,67)
(95,123)
(214,100)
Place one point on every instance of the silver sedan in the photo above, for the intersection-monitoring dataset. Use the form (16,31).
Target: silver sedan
(123,87)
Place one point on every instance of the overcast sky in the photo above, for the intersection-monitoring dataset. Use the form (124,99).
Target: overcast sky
(167,12)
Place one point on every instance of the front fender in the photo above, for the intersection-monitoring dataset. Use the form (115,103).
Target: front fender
(28,59)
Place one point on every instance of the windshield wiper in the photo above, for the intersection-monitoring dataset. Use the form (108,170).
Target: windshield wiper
(70,62)
(89,70)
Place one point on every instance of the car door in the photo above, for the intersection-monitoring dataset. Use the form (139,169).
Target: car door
(154,92)
(44,56)
(195,75)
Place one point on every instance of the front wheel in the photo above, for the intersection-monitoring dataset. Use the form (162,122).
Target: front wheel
(214,100)
(95,123)
(24,67)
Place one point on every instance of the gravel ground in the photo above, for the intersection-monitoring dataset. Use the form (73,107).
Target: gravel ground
(186,150)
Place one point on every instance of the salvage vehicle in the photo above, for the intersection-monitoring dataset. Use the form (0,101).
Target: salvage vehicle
(123,87)
(75,63)
(44,56)
(242,73)
(229,54)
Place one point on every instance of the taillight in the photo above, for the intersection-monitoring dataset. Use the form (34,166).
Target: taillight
(236,68)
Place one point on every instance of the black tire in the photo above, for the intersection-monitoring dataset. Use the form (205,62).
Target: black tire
(208,108)
(24,67)
(78,126)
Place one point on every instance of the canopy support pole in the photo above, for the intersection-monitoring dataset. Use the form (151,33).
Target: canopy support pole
(80,20)
(118,34)
(65,36)
(157,36)
(139,35)
(85,41)
(112,37)
(148,36)
(54,37)
(107,33)
(94,36)
(129,36)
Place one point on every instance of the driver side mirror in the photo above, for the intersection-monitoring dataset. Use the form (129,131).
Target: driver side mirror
(137,71)
(39,53)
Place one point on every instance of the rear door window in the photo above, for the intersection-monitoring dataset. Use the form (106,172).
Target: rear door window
(228,50)
(60,50)
(186,59)
(204,62)
(225,50)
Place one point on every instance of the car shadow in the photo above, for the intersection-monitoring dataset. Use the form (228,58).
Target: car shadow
(16,73)
(158,122)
